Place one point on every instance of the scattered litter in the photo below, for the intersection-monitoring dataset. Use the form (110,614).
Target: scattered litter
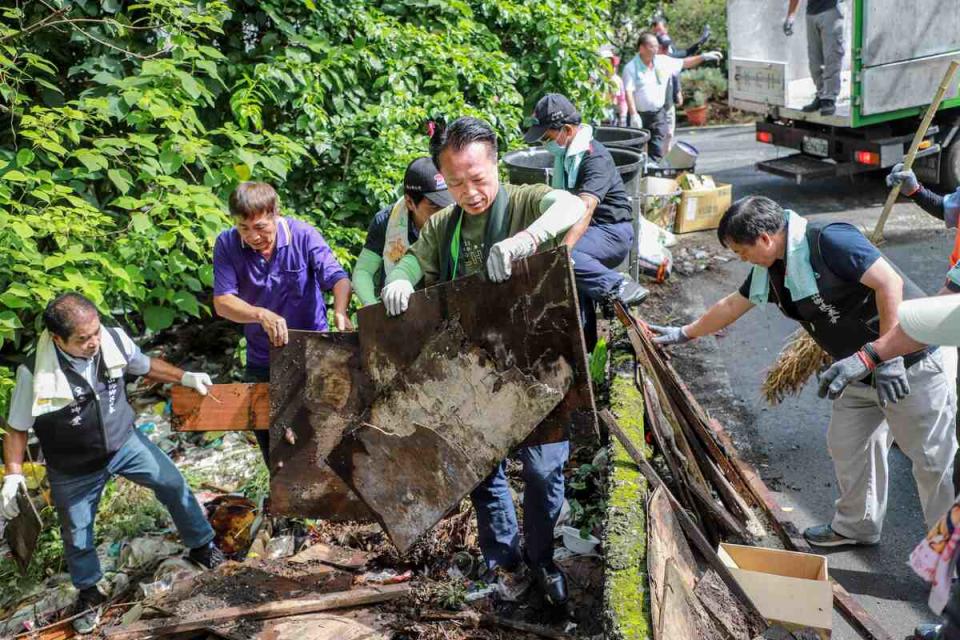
(387,576)
(575,542)
(280,547)
(480,594)
(141,551)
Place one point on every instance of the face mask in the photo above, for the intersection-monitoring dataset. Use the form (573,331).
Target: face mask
(554,148)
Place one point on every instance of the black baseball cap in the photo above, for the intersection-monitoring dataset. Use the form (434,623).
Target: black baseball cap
(552,112)
(423,177)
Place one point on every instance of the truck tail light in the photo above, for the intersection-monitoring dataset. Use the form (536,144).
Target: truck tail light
(765,137)
(867,157)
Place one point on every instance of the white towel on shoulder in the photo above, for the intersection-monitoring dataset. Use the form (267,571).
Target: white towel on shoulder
(51,389)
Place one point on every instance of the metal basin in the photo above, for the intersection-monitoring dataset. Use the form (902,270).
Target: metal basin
(623,137)
(535,165)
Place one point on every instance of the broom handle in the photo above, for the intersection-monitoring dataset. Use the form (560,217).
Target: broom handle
(877,236)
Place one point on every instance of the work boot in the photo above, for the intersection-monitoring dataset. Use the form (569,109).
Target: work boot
(631,293)
(88,605)
(927,632)
(824,536)
(208,556)
(828,107)
(813,106)
(552,584)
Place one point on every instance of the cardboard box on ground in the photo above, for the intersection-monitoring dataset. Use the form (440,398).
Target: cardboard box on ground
(789,588)
(688,203)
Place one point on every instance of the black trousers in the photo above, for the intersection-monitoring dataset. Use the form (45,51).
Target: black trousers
(254,373)
(656,123)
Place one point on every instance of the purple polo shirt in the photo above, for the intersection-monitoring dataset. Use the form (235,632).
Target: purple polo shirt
(291,283)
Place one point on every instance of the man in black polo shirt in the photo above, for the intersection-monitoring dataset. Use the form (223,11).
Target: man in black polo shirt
(396,227)
(602,239)
(845,294)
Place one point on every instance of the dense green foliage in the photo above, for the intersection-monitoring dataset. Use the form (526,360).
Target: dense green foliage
(126,125)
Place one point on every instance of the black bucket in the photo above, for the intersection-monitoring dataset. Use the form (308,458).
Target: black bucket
(535,166)
(623,137)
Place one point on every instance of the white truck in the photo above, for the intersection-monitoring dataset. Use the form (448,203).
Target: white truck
(895,56)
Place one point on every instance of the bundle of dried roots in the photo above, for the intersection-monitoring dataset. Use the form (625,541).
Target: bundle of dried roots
(799,359)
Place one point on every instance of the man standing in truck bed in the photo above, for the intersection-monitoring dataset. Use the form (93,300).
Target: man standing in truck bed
(824,50)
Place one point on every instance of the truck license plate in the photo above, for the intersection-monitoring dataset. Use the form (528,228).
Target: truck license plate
(816,146)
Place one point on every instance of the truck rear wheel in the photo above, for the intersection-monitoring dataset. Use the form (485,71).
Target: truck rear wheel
(950,167)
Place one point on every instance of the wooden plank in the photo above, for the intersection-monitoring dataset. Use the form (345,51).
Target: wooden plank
(531,319)
(682,615)
(690,527)
(665,543)
(693,412)
(23,532)
(226,407)
(440,429)
(727,612)
(283,608)
(317,389)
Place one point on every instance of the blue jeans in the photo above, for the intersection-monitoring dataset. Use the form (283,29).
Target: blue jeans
(76,498)
(596,255)
(542,500)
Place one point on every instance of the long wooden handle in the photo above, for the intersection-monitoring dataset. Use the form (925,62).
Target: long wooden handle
(877,236)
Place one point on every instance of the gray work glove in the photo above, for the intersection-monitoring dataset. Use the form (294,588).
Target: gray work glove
(669,335)
(841,373)
(891,380)
(788,26)
(907,179)
(705,34)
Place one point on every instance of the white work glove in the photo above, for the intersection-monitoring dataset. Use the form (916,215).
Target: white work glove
(9,508)
(196,381)
(396,296)
(713,56)
(788,26)
(502,255)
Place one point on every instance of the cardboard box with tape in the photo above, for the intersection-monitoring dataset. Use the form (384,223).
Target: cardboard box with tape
(702,205)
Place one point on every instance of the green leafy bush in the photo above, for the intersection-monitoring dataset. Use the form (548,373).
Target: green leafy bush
(704,84)
(126,125)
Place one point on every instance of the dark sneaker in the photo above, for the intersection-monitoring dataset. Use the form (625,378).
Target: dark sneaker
(552,584)
(927,632)
(828,107)
(631,293)
(89,604)
(813,106)
(824,536)
(208,556)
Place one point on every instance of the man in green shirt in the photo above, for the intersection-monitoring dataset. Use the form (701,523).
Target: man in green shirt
(490,226)
(397,226)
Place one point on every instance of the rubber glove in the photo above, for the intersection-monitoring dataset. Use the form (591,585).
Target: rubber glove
(502,254)
(196,381)
(9,508)
(705,34)
(841,373)
(788,26)
(396,296)
(669,335)
(891,380)
(713,56)
(906,178)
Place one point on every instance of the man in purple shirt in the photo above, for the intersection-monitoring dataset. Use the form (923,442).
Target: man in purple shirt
(270,273)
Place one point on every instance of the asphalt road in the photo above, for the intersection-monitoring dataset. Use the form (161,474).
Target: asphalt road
(787,442)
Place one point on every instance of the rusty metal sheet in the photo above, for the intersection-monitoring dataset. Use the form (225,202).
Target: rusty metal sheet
(317,388)
(530,319)
(446,421)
